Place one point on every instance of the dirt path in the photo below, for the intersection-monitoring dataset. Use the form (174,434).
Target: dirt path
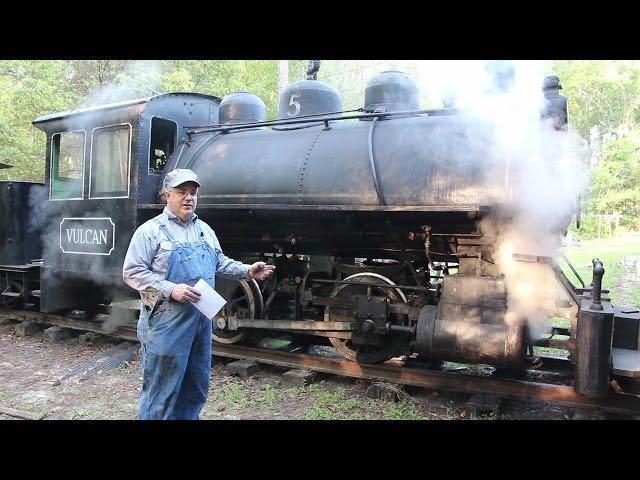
(32,373)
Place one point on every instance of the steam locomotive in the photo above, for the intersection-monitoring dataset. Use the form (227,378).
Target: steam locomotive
(376,220)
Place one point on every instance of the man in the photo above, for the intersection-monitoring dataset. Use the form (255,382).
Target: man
(167,256)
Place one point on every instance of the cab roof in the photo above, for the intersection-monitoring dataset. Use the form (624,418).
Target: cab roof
(110,106)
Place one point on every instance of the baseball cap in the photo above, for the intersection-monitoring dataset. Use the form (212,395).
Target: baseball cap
(552,81)
(177,177)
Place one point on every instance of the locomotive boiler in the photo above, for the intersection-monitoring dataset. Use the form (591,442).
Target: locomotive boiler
(384,224)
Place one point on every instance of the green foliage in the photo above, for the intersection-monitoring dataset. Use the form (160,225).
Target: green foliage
(617,178)
(32,88)
(269,399)
(604,107)
(402,411)
(232,394)
(602,94)
(7,395)
(331,405)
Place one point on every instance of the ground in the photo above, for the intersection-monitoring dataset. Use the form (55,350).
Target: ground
(32,371)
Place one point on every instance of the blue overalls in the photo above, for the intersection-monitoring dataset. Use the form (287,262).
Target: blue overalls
(176,340)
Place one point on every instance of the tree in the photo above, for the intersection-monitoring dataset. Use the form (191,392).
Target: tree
(31,88)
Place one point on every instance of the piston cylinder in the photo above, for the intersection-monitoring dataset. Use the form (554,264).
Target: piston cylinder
(502,345)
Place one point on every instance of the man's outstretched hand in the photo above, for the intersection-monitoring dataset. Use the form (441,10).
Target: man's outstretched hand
(261,271)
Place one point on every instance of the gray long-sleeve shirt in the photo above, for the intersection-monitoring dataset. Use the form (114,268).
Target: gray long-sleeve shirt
(145,265)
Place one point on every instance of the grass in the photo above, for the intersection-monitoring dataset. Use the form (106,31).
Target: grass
(7,395)
(330,405)
(231,396)
(38,409)
(294,392)
(555,352)
(474,368)
(404,410)
(76,414)
(233,393)
(269,398)
(338,405)
(611,251)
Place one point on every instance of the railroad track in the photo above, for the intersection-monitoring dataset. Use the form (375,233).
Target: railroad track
(394,371)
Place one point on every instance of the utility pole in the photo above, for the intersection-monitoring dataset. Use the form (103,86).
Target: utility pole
(283,75)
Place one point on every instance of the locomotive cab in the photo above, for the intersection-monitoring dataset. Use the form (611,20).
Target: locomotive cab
(100,163)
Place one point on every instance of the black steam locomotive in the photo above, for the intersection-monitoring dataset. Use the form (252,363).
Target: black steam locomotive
(374,219)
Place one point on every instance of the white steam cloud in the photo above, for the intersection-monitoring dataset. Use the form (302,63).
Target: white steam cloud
(138,79)
(545,174)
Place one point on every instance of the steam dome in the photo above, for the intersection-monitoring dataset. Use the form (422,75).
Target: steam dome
(391,91)
(242,107)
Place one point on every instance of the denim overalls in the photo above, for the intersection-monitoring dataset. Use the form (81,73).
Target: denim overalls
(176,340)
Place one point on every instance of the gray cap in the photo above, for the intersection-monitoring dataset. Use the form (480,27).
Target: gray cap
(551,81)
(178,177)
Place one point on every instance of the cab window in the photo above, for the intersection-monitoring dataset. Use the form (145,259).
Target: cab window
(67,165)
(110,150)
(162,144)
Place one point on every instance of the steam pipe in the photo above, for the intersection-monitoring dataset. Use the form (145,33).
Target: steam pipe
(372,162)
(596,292)
(316,118)
(573,269)
(427,248)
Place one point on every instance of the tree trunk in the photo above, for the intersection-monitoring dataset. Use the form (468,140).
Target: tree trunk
(283,75)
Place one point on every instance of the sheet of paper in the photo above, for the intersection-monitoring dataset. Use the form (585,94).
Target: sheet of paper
(211,302)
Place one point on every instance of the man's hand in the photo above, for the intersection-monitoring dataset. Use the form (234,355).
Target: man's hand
(184,293)
(261,271)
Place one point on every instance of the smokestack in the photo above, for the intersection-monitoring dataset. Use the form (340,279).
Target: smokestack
(312,69)
(555,108)
(502,74)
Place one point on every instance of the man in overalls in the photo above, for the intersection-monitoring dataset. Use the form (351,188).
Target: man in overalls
(166,257)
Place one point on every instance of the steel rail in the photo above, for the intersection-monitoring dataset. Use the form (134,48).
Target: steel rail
(124,332)
(392,371)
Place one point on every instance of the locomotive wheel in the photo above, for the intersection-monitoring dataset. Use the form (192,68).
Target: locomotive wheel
(392,341)
(243,297)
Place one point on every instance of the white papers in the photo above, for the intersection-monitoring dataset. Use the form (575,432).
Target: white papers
(211,302)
